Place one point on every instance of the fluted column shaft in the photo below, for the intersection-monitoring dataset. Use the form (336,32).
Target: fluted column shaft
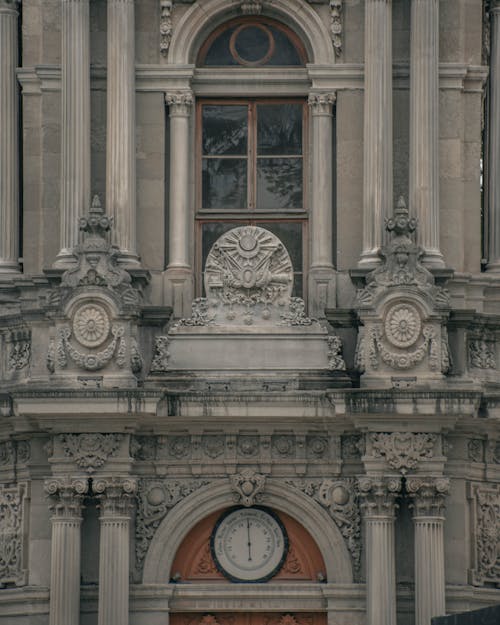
(424,126)
(320,105)
(66,550)
(114,551)
(180,105)
(379,507)
(120,141)
(377,141)
(494,143)
(428,518)
(75,129)
(9,139)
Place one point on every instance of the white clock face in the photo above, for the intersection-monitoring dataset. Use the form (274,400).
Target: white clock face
(249,544)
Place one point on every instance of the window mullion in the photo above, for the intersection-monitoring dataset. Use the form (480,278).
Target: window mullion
(252,153)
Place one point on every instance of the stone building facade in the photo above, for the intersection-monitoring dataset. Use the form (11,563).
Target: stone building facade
(250,311)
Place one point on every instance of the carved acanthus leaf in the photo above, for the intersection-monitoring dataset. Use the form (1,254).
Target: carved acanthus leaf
(428,495)
(402,450)
(90,451)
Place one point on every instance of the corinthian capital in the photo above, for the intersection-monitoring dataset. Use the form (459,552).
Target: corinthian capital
(66,496)
(428,495)
(378,495)
(116,495)
(180,102)
(321,103)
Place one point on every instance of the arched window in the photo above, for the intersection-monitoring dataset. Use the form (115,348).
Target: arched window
(251,151)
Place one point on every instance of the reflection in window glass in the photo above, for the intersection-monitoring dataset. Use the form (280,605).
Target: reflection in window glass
(224,183)
(279,183)
(224,130)
(279,129)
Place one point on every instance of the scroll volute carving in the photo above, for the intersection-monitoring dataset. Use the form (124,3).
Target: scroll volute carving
(194,562)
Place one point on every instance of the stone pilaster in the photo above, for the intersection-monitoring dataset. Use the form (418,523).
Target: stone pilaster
(424,126)
(379,508)
(75,125)
(428,499)
(66,506)
(494,143)
(9,139)
(116,503)
(377,158)
(120,140)
(321,273)
(179,270)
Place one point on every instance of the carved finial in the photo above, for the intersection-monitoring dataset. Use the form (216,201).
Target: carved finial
(401,224)
(96,224)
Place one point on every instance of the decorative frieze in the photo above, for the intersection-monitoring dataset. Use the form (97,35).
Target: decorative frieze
(154,500)
(341,498)
(248,486)
(14,452)
(12,531)
(90,451)
(485,503)
(402,451)
(428,495)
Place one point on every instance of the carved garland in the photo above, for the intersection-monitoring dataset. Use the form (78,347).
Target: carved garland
(91,361)
(12,515)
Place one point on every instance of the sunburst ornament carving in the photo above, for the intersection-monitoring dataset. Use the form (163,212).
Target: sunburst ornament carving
(403,325)
(91,325)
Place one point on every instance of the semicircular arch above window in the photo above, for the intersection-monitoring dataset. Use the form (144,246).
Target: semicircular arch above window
(252,42)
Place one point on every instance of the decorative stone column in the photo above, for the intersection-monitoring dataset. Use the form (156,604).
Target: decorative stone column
(379,507)
(116,503)
(321,273)
(120,139)
(179,270)
(428,500)
(9,142)
(66,506)
(377,141)
(424,126)
(494,142)
(75,128)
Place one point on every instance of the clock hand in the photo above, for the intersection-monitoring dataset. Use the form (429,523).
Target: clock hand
(249,543)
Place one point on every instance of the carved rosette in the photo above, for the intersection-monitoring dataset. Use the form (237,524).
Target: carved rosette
(341,498)
(116,495)
(12,522)
(90,451)
(248,487)
(166,27)
(155,498)
(485,501)
(402,450)
(378,496)
(66,497)
(428,496)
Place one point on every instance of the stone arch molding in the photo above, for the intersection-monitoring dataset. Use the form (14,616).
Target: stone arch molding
(198,505)
(203,17)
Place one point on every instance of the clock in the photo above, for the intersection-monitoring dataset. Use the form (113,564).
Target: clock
(249,544)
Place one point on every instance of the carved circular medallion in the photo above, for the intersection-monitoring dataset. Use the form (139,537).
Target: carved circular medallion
(403,325)
(91,325)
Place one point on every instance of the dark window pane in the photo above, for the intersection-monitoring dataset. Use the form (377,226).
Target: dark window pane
(224,129)
(285,53)
(224,183)
(279,129)
(279,183)
(218,53)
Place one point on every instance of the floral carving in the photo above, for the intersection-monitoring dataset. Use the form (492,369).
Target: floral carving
(206,564)
(248,486)
(399,359)
(66,496)
(165,25)
(283,446)
(154,500)
(378,495)
(12,515)
(475,450)
(143,447)
(248,445)
(91,325)
(482,351)
(340,498)
(213,446)
(352,447)
(317,447)
(136,362)
(403,450)
(335,360)
(90,451)
(179,446)
(180,101)
(251,7)
(336,25)
(428,495)
(402,325)
(115,494)
(294,314)
(94,360)
(20,351)
(161,355)
(486,528)
(7,453)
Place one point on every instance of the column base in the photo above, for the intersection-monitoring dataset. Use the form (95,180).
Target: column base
(322,290)
(493,267)
(129,259)
(370,259)
(178,285)
(9,267)
(64,260)
(433,258)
